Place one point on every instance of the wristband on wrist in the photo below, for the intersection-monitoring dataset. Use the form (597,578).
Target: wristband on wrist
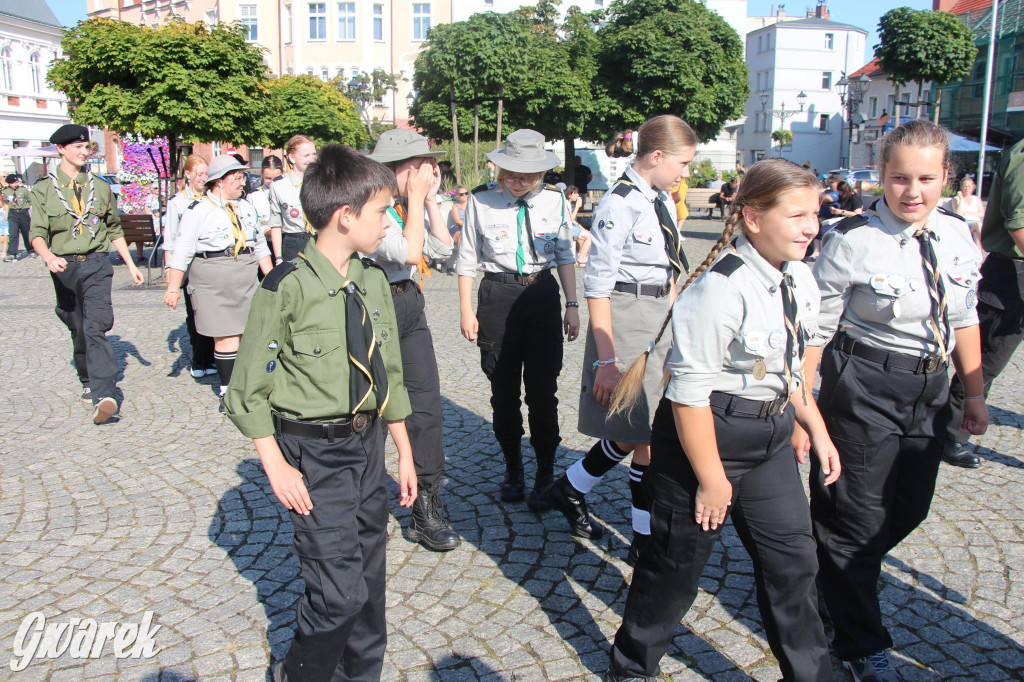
(974,397)
(174,291)
(604,363)
(572,304)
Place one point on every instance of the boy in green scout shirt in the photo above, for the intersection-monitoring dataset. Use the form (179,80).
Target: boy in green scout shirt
(74,224)
(318,372)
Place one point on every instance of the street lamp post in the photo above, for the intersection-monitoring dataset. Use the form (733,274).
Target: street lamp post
(359,92)
(851,94)
(782,113)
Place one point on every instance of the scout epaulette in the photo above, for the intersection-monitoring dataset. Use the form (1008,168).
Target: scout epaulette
(623,189)
(945,211)
(729,264)
(194,204)
(847,224)
(370,263)
(279,177)
(484,187)
(274,277)
(551,187)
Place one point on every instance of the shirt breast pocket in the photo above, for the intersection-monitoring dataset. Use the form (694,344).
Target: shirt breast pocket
(961,285)
(641,246)
(317,354)
(545,243)
(888,290)
(497,239)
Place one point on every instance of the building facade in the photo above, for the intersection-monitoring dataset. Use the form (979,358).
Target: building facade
(789,58)
(30,110)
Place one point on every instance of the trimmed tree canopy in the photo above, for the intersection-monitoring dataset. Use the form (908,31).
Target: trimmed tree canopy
(925,45)
(202,84)
(305,104)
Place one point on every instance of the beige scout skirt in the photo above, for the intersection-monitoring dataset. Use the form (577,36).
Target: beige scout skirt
(221,290)
(635,321)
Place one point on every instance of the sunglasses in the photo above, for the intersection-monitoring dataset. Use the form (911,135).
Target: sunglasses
(463,194)
(520,179)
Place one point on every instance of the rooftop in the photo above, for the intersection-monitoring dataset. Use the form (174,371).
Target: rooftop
(37,11)
(871,69)
(815,23)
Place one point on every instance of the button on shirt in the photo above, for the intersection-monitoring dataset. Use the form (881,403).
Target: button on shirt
(490,235)
(722,326)
(392,252)
(627,242)
(207,227)
(285,207)
(52,221)
(293,358)
(176,208)
(873,284)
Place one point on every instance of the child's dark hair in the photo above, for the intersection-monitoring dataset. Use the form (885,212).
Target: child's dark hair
(341,176)
(621,146)
(762,186)
(272,162)
(916,133)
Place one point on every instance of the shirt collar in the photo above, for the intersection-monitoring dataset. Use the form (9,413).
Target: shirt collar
(218,202)
(895,225)
(511,199)
(762,269)
(65,180)
(294,178)
(325,271)
(646,190)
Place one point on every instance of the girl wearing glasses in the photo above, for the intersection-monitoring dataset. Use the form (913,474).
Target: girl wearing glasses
(517,230)
(458,214)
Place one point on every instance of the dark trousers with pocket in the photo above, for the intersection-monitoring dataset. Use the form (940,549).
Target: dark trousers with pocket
(520,340)
(292,243)
(888,427)
(20,223)
(769,511)
(1001,325)
(341,631)
(419,367)
(85,308)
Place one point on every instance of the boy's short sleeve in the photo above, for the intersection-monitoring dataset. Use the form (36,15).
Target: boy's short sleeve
(247,402)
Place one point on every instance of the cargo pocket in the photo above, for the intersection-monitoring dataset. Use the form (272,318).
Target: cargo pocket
(489,354)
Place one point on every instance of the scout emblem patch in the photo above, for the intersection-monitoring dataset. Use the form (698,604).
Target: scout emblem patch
(294,213)
(971,297)
(270,366)
(760,369)
(272,345)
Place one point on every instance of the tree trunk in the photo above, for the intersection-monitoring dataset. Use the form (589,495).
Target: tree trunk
(938,103)
(920,87)
(569,176)
(896,107)
(455,134)
(476,137)
(501,103)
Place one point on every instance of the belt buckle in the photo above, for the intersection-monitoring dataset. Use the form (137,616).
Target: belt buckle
(359,422)
(931,364)
(530,279)
(79,258)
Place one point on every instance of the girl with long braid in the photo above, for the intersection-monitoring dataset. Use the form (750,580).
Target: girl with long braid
(721,436)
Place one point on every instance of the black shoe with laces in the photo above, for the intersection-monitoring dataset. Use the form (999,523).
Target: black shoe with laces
(573,506)
(959,455)
(429,525)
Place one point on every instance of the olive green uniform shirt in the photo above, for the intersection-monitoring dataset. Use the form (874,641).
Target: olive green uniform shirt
(17,199)
(293,359)
(52,221)
(1005,212)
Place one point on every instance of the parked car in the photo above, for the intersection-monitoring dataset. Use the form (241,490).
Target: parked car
(111,179)
(867,177)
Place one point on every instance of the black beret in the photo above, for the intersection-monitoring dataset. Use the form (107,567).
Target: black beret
(11,178)
(67,134)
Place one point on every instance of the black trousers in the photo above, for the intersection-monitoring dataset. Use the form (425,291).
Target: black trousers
(520,340)
(20,223)
(1001,324)
(769,511)
(419,366)
(202,346)
(888,428)
(292,243)
(341,631)
(85,308)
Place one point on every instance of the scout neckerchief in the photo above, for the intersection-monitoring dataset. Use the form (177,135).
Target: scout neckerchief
(939,319)
(397,212)
(298,188)
(80,212)
(795,344)
(673,247)
(523,217)
(236,226)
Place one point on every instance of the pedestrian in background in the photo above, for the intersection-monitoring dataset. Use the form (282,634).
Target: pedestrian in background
(289,229)
(16,197)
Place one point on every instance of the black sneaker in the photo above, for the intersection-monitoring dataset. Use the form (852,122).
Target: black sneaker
(221,407)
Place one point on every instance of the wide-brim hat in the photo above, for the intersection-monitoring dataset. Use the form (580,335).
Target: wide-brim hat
(524,153)
(401,144)
(221,166)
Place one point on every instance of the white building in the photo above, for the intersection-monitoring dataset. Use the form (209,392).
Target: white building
(29,109)
(786,59)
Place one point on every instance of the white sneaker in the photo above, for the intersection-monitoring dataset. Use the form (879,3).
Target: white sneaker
(197,373)
(104,410)
(210,371)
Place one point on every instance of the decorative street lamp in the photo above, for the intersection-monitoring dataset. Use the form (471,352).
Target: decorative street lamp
(782,113)
(359,92)
(851,94)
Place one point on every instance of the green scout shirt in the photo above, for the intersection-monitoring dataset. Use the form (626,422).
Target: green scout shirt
(17,199)
(52,222)
(293,358)
(1005,212)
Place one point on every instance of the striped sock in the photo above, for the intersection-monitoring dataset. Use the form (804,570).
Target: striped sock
(587,472)
(225,364)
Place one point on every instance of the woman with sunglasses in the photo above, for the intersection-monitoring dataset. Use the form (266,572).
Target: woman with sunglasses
(457,217)
(516,231)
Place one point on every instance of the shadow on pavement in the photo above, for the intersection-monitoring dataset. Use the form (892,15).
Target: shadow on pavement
(169,675)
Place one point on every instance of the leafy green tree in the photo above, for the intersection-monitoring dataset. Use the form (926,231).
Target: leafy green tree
(177,80)
(667,57)
(305,104)
(923,45)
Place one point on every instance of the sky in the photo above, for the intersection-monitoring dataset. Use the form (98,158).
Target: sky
(861,13)
(68,12)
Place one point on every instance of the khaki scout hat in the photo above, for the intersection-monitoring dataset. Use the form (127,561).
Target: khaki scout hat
(401,144)
(524,153)
(221,166)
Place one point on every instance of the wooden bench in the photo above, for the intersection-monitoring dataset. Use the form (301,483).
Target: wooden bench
(698,199)
(138,230)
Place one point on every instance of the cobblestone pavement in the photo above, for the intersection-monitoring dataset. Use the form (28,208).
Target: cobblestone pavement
(169,511)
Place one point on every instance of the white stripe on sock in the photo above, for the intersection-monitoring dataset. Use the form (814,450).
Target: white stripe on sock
(580,478)
(610,452)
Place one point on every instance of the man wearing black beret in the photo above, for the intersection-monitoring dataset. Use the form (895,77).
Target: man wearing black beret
(15,195)
(74,224)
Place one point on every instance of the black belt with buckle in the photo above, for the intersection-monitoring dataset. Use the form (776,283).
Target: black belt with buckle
(225,252)
(512,278)
(82,257)
(889,360)
(644,289)
(22,210)
(293,235)
(399,288)
(342,428)
(733,404)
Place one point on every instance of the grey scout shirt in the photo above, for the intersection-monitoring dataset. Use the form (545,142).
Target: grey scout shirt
(724,323)
(285,207)
(260,200)
(628,244)
(392,252)
(490,234)
(873,284)
(176,208)
(207,227)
